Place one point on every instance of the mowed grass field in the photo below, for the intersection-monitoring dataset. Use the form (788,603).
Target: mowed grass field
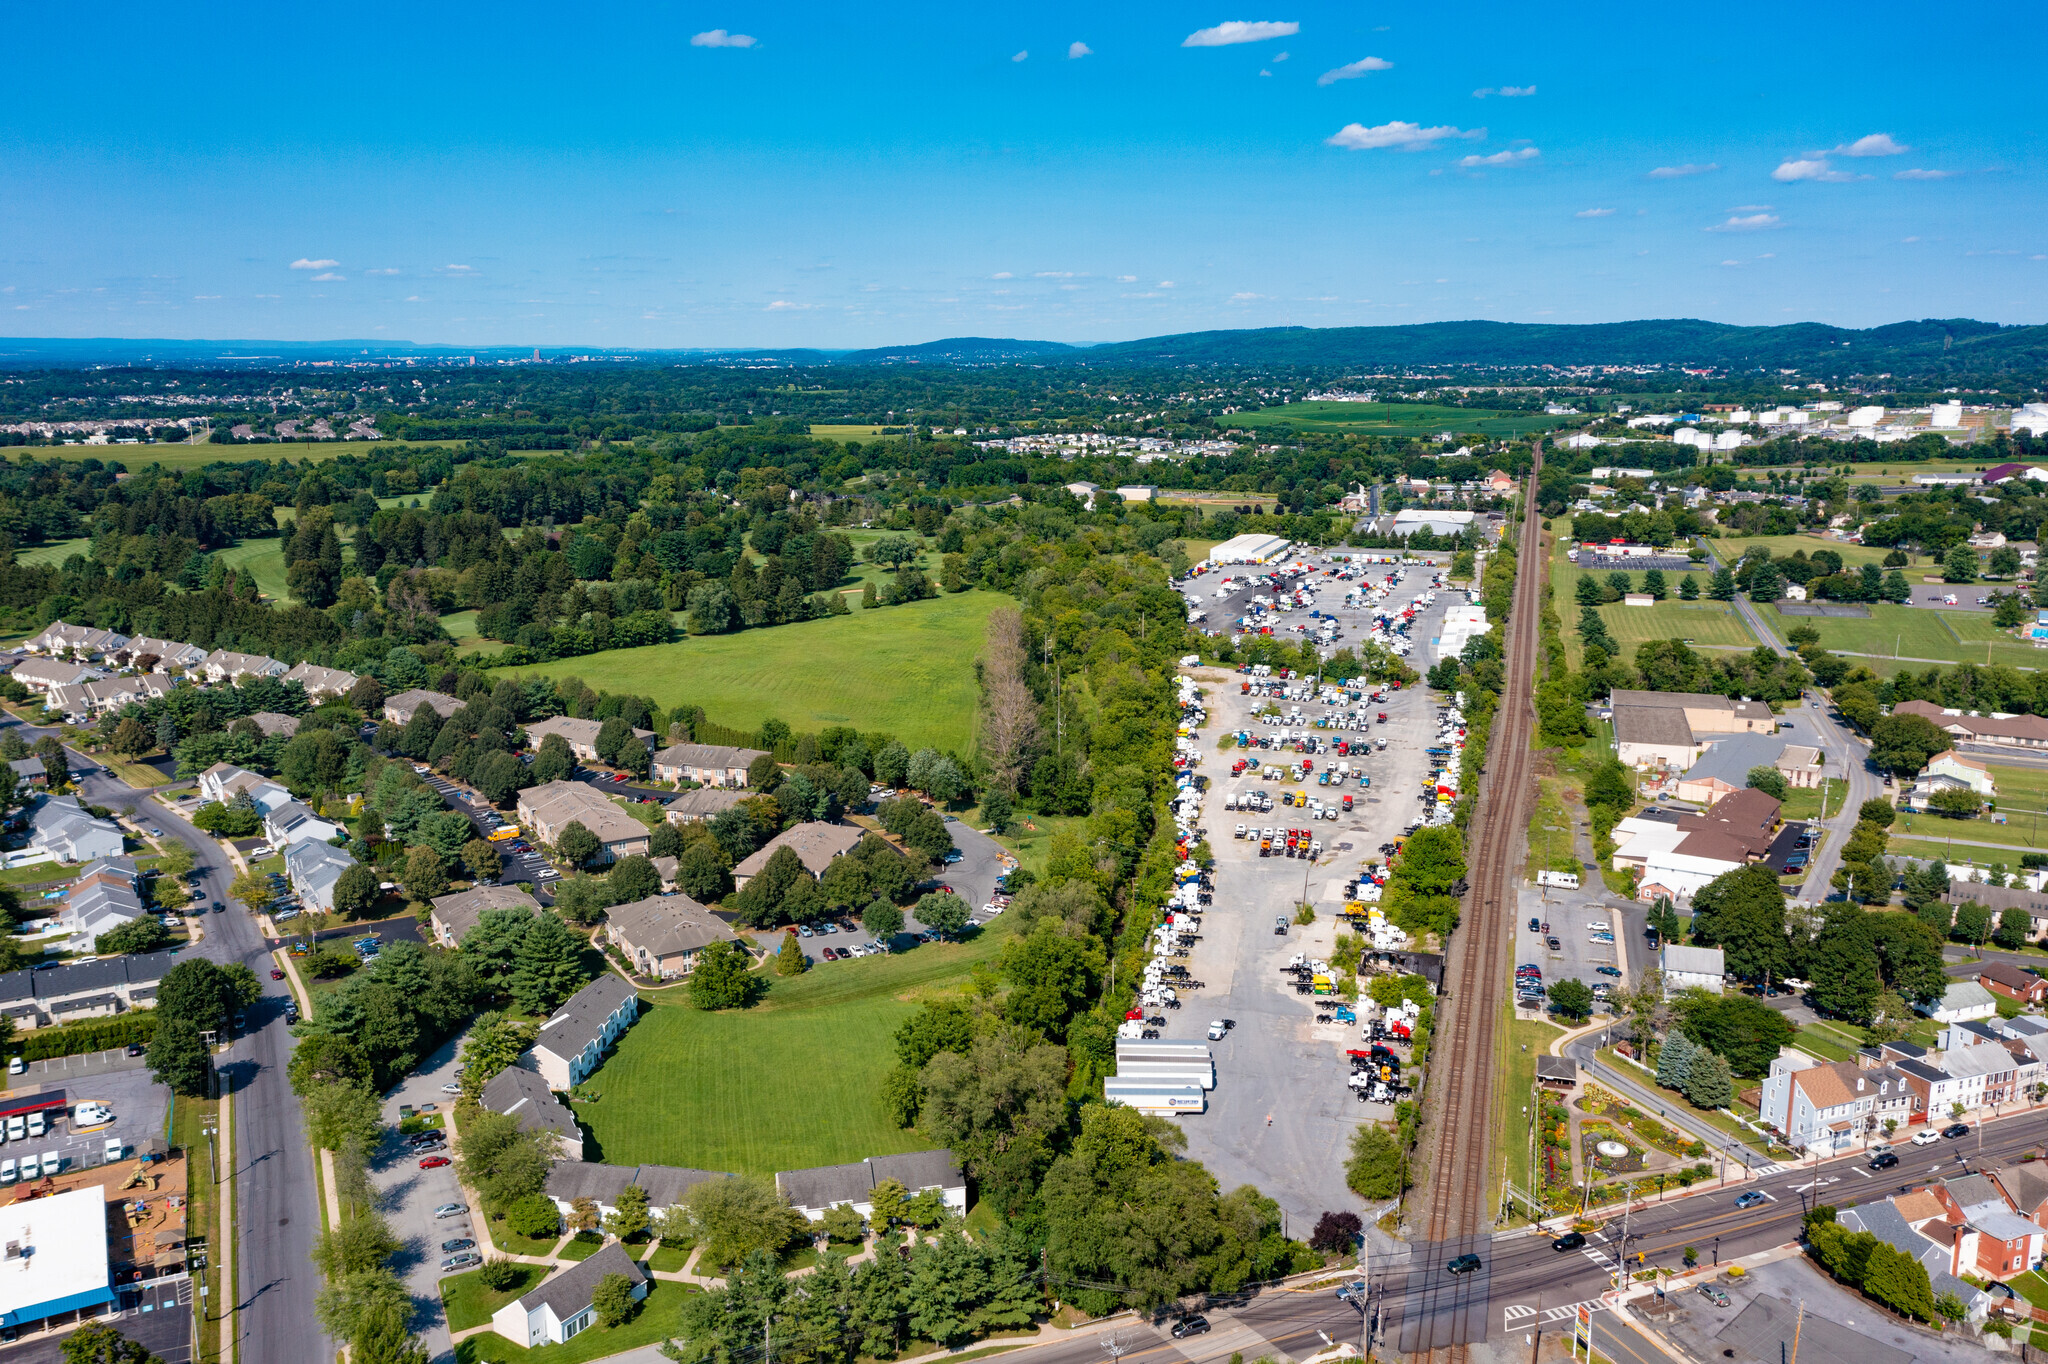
(264,559)
(788,1084)
(1708,624)
(1407,419)
(1730,549)
(832,431)
(54,552)
(904,670)
(1914,632)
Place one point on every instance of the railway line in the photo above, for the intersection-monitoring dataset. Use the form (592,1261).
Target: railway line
(1443,1311)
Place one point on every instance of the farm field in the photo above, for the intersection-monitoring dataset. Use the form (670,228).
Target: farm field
(787,1084)
(54,552)
(1406,419)
(904,670)
(831,431)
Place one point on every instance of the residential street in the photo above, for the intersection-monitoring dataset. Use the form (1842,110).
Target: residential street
(275,1215)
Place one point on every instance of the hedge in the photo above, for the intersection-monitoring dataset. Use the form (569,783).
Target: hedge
(91,1034)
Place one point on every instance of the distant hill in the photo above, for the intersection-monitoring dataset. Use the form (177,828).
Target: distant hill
(961,350)
(1934,344)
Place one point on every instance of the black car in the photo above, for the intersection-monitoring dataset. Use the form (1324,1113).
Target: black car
(1961,1129)
(135,1049)
(1535,925)
(1614,971)
(1571,1240)
(1190,1326)
(459,1243)
(1463,1264)
(1884,1160)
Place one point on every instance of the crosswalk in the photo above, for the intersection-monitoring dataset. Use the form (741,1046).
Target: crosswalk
(1521,1312)
(1771,1169)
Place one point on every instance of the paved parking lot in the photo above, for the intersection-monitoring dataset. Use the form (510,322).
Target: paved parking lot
(140,1106)
(410,1195)
(1281,1114)
(973,878)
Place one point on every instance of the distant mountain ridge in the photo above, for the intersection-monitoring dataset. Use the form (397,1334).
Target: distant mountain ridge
(960,350)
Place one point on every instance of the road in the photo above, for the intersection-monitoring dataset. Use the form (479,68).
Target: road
(273,1167)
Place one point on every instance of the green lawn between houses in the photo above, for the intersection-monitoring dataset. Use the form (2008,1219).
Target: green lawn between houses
(785,1085)
(902,670)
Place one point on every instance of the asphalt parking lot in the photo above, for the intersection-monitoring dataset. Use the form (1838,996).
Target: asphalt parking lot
(973,878)
(139,1103)
(1281,1114)
(409,1196)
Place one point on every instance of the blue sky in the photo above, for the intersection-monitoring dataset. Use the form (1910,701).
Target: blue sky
(801,174)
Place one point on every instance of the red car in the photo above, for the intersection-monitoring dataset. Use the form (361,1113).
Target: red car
(434,1162)
(276,974)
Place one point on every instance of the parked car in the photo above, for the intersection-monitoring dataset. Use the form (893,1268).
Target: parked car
(1926,1137)
(462,1261)
(1713,1294)
(459,1243)
(1614,971)
(451,1088)
(451,1210)
(1953,1130)
(276,973)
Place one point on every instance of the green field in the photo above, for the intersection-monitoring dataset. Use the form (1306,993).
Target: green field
(1397,419)
(903,670)
(1913,632)
(862,572)
(1729,549)
(470,1303)
(55,552)
(1708,624)
(833,431)
(263,558)
(1928,849)
(655,1322)
(785,1085)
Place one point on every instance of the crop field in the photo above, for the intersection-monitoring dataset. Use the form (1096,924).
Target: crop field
(787,1084)
(840,431)
(1396,419)
(904,670)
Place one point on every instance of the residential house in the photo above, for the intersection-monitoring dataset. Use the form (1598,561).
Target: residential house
(399,709)
(1801,765)
(663,934)
(544,811)
(60,827)
(273,724)
(816,1191)
(524,1096)
(1950,771)
(454,915)
(705,803)
(42,674)
(30,772)
(81,641)
(2025,1186)
(320,682)
(580,735)
(814,842)
(2010,731)
(705,764)
(1998,899)
(1935,1091)
(223,782)
(81,701)
(225,665)
(569,1183)
(1827,1107)
(82,989)
(292,823)
(561,1308)
(1987,1236)
(1887,1219)
(313,867)
(1965,999)
(2003,978)
(573,1041)
(159,655)
(1684,967)
(106,895)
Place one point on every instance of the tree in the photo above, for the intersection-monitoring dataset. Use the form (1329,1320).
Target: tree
(576,845)
(1722,588)
(882,920)
(195,991)
(942,912)
(1709,1083)
(423,874)
(545,967)
(613,1298)
(1674,1060)
(355,890)
(1768,780)
(534,1216)
(501,1162)
(1897,1280)
(1973,923)
(492,1043)
(628,1217)
(343,1117)
(483,859)
(554,760)
(890,1203)
(791,961)
(720,980)
(1902,744)
(1742,1030)
(843,1224)
(892,764)
(178,1057)
(735,1216)
(703,873)
(1336,1233)
(99,1343)
(997,809)
(1959,565)
(1878,811)
(634,878)
(1743,912)
(1957,802)
(1572,998)
(2014,927)
(1689,588)
(500,1273)
(1377,1168)
(144,934)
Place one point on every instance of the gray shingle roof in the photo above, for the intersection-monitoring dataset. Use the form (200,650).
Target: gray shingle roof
(665,1184)
(569,1292)
(580,1021)
(666,925)
(1731,758)
(824,1185)
(1645,725)
(522,1094)
(1883,1221)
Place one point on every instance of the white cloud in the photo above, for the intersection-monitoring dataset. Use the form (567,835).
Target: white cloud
(1594,213)
(718,37)
(1499,158)
(1240,31)
(1876,144)
(380,272)
(1164,284)
(1245,297)
(1731,262)
(1021,55)
(459,269)
(303,264)
(1407,136)
(1517,91)
(1353,70)
(1053,274)
(1753,222)
(1075,51)
(203,298)
(1918,174)
(1126,279)
(1002,274)
(1809,168)
(413,298)
(328,277)
(1282,57)
(1751,208)
(782,305)
(1676,172)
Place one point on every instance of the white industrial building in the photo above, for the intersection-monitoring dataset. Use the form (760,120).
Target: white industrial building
(1423,518)
(1461,623)
(56,1257)
(1253,549)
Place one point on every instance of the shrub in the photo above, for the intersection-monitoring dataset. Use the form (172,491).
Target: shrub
(500,1274)
(533,1216)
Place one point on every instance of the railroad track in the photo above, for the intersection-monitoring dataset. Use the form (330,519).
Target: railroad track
(1460,1136)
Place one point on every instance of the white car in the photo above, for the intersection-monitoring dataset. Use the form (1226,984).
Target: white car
(1597,925)
(29,1168)
(1927,1137)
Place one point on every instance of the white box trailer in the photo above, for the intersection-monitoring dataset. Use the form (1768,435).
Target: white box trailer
(1168,1072)
(1161,1049)
(1563,880)
(1160,1099)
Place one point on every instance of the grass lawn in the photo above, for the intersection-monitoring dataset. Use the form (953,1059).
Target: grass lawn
(134,773)
(1930,848)
(469,1303)
(670,1259)
(582,1246)
(512,1243)
(842,431)
(1889,631)
(861,572)
(1551,846)
(902,670)
(2020,787)
(1522,1044)
(1674,1100)
(2022,829)
(655,1321)
(1030,838)
(1410,419)
(745,1090)
(1708,624)
(1729,548)
(265,559)
(2030,1286)
(1804,802)
(55,552)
